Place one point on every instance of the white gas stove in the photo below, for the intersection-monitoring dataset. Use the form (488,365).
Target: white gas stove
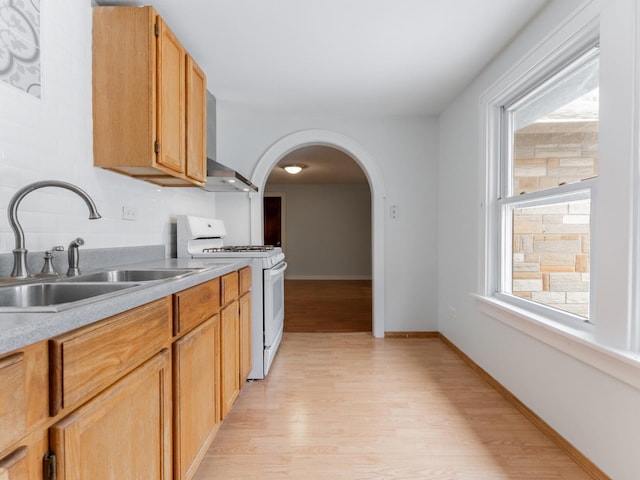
(199,237)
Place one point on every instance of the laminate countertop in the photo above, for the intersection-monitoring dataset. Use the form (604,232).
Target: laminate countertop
(19,329)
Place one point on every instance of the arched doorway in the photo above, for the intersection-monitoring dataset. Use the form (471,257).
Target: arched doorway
(321,217)
(336,140)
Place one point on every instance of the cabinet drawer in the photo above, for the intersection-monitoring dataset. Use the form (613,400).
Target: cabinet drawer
(87,360)
(13,406)
(193,306)
(229,287)
(245,280)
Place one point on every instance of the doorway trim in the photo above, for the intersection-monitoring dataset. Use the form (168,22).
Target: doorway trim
(356,151)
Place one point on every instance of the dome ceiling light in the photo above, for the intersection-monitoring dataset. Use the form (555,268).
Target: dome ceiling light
(293,169)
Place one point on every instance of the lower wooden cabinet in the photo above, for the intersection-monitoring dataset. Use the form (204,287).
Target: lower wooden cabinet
(194,305)
(85,361)
(245,337)
(13,399)
(24,462)
(128,397)
(123,433)
(24,382)
(229,358)
(195,391)
(14,466)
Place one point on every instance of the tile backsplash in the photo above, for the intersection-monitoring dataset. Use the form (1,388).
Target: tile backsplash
(20,44)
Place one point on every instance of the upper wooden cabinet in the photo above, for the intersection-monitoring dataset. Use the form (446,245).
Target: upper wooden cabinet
(196,126)
(149,99)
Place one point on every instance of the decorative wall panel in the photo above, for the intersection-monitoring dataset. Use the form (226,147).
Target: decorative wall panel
(20,44)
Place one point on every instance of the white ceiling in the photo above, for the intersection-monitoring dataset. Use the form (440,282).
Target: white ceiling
(343,57)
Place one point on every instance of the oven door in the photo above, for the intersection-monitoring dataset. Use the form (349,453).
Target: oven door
(273,312)
(273,304)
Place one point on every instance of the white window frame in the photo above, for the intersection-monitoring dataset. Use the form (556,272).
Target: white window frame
(499,200)
(589,345)
(565,193)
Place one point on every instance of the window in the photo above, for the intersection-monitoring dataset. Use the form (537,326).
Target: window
(546,175)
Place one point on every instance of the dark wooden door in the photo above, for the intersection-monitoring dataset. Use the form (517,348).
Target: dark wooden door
(273,221)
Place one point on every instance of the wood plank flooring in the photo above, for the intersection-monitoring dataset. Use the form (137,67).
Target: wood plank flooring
(349,406)
(327,306)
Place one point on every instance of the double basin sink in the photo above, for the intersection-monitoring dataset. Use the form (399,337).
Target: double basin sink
(52,295)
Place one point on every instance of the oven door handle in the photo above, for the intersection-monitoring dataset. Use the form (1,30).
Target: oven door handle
(274,272)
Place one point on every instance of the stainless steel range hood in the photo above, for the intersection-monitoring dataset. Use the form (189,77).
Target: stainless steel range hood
(224,179)
(221,178)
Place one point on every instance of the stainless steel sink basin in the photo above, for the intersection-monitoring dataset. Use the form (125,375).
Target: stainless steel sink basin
(54,296)
(124,275)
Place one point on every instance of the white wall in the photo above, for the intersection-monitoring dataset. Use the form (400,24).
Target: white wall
(594,410)
(327,230)
(405,152)
(51,138)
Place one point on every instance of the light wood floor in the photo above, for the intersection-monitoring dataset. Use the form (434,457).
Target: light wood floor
(349,406)
(327,306)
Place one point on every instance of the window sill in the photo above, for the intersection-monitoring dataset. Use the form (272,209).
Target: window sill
(579,344)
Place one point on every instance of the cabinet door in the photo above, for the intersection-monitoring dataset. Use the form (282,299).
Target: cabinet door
(171,95)
(14,465)
(229,285)
(196,126)
(195,396)
(124,86)
(245,279)
(13,414)
(124,433)
(245,337)
(229,345)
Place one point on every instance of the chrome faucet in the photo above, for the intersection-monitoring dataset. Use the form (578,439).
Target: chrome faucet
(74,257)
(20,268)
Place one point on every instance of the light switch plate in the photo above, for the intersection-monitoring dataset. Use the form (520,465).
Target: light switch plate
(129,213)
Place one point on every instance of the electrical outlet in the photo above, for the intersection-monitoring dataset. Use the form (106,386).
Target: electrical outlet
(129,213)
(453,313)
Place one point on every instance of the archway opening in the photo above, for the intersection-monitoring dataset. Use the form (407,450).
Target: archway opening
(321,217)
(360,155)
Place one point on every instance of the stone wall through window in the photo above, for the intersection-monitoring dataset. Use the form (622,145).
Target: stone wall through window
(551,243)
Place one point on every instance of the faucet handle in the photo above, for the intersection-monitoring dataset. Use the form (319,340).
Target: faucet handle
(49,253)
(48,268)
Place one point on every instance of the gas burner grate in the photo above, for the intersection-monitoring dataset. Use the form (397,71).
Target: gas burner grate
(239,248)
